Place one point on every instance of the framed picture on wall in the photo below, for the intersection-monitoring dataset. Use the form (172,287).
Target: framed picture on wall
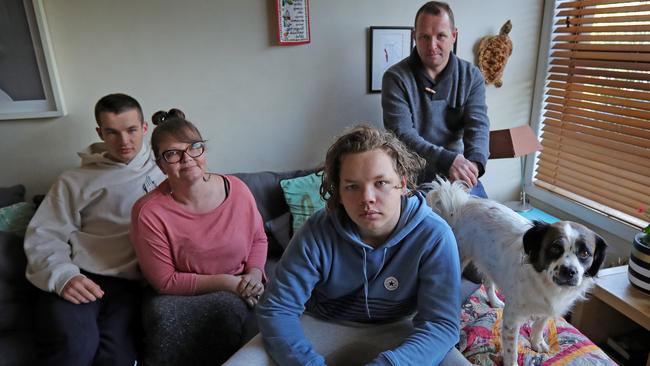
(388,45)
(293,21)
(29,86)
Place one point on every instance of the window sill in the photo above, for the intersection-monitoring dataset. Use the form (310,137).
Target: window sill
(606,223)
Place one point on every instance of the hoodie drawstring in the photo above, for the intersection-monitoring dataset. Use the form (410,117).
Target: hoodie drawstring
(365,276)
(365,281)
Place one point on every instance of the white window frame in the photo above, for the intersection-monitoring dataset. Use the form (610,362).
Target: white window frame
(53,104)
(598,219)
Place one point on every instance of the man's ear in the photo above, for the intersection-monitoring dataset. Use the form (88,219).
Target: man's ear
(99,133)
(402,183)
(145,127)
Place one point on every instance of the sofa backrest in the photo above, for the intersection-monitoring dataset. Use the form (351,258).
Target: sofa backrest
(17,296)
(266,189)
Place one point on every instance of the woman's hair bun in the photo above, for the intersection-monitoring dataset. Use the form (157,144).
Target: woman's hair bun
(162,116)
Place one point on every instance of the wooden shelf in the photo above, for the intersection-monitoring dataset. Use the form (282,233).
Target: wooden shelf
(614,289)
(613,307)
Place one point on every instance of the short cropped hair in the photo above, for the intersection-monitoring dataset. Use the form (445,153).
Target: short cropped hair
(360,139)
(434,8)
(116,103)
(172,123)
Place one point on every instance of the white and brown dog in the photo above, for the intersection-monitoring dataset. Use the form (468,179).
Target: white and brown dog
(541,269)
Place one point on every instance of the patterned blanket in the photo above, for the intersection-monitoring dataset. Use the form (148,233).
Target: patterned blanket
(480,340)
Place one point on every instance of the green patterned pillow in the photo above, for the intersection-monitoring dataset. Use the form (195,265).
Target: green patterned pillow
(14,218)
(303,197)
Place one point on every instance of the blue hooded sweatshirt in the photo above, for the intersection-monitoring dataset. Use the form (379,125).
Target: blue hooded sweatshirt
(328,270)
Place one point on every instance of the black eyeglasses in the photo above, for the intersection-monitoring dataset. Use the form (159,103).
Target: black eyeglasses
(195,150)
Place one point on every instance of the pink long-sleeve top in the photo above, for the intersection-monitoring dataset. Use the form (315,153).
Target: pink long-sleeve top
(173,245)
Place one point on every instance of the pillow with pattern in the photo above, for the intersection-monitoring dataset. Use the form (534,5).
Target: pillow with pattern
(14,218)
(303,197)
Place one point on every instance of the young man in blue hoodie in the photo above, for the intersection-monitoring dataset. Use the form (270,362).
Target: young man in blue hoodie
(376,255)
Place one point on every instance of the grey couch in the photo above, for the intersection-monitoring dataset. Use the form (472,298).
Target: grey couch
(17,346)
(17,296)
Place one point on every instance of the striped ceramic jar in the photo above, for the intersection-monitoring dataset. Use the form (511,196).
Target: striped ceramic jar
(639,265)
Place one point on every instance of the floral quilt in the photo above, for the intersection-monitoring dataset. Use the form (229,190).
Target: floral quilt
(480,339)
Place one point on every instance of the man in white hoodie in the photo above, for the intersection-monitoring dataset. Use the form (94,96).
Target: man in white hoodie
(78,249)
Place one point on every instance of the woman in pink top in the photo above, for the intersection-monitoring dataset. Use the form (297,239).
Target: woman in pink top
(197,233)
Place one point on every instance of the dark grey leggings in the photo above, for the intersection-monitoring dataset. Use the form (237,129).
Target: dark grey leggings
(194,330)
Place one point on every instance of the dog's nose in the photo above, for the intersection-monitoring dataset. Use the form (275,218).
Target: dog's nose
(568,272)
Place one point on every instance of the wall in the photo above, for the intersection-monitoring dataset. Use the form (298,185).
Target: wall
(260,105)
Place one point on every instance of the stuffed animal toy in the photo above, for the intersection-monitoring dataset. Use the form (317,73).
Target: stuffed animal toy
(492,55)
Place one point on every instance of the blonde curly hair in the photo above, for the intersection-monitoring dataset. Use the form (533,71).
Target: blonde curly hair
(360,139)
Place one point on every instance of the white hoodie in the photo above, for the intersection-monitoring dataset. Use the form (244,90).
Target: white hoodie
(83,222)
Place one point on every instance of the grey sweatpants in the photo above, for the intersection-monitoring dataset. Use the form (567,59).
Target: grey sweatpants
(342,344)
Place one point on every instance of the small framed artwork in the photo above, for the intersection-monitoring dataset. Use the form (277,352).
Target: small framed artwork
(293,21)
(29,86)
(388,45)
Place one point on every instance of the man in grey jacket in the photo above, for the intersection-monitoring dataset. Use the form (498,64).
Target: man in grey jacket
(78,249)
(435,102)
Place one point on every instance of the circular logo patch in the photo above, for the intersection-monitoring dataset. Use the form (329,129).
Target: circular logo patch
(391,283)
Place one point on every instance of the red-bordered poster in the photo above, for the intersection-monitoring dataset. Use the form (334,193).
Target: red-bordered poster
(293,21)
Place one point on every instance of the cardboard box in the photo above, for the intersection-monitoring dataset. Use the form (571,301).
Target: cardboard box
(513,142)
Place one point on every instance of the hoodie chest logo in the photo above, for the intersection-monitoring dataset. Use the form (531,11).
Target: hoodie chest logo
(391,283)
(149,184)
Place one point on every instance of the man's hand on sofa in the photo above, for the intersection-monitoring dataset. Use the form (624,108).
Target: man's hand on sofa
(81,290)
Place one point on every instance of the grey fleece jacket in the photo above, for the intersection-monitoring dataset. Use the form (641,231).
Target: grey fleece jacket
(438,126)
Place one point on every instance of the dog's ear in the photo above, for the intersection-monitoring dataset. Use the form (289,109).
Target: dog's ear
(599,256)
(533,240)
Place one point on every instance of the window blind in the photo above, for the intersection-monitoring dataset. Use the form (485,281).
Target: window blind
(596,115)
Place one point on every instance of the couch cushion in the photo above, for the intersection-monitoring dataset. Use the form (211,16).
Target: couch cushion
(266,189)
(17,297)
(11,195)
(12,259)
(14,218)
(16,293)
(303,197)
(280,229)
(268,195)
